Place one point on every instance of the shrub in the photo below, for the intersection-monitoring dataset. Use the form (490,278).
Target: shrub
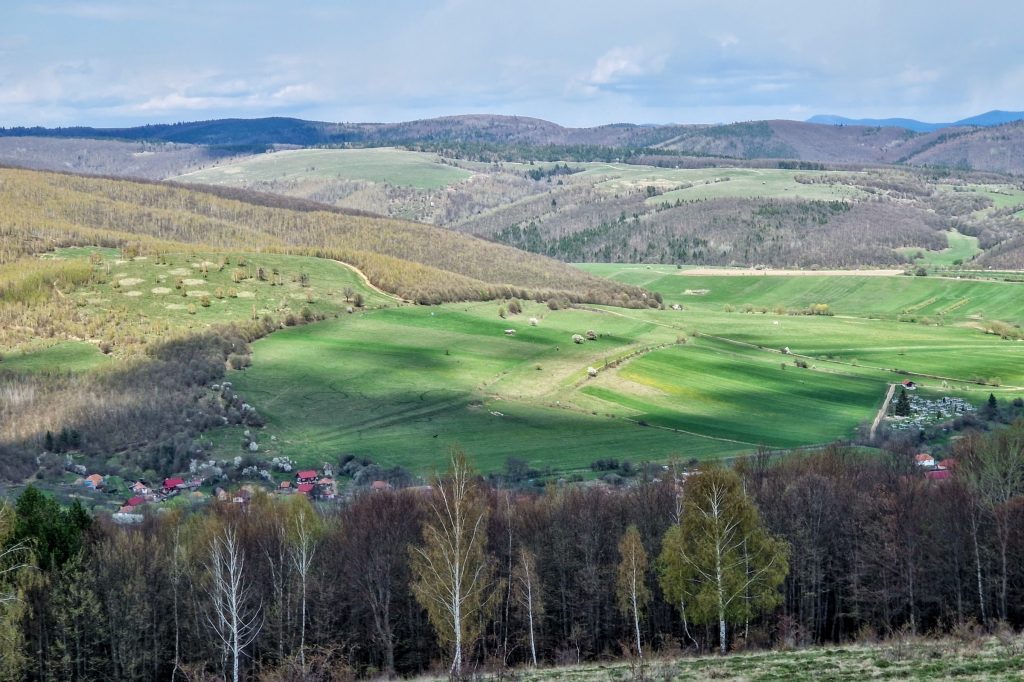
(591,335)
(576,338)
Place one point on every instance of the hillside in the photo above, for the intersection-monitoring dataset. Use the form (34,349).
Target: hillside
(45,210)
(630,212)
(518,136)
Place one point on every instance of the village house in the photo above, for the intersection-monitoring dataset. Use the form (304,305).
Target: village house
(94,481)
(172,485)
(132,503)
(327,487)
(307,476)
(924,460)
(140,487)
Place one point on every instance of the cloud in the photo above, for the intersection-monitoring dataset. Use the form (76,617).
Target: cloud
(620,63)
(727,40)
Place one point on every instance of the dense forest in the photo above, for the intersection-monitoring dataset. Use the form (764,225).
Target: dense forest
(831,546)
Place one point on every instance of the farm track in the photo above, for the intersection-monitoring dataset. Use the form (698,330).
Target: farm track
(882,411)
(370,285)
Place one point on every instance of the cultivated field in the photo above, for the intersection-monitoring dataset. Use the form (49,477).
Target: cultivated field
(382,165)
(713,183)
(401,385)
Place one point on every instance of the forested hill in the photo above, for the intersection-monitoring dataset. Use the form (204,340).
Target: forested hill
(40,211)
(993,148)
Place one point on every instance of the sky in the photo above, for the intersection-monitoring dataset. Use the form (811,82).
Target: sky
(129,62)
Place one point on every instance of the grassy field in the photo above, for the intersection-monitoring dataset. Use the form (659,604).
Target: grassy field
(913,659)
(383,165)
(69,356)
(961,249)
(713,183)
(401,385)
(174,288)
(953,300)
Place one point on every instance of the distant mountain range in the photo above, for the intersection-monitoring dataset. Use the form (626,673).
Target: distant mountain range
(989,118)
(990,142)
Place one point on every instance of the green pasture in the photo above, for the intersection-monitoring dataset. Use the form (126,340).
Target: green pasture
(173,288)
(961,247)
(68,356)
(396,167)
(949,299)
(401,385)
(740,395)
(689,184)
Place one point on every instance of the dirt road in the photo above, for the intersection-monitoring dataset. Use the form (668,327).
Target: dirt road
(882,410)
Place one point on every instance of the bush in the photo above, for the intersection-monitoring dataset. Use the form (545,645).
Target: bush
(576,338)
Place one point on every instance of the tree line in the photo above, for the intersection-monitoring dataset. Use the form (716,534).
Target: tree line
(459,577)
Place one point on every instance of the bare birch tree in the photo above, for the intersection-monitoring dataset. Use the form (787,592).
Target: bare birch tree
(526,590)
(452,570)
(302,550)
(631,586)
(237,615)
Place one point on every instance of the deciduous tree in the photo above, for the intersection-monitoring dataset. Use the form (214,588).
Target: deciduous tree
(719,560)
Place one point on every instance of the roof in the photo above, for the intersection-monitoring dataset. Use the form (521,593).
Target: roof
(136,501)
(924,457)
(286,484)
(173,482)
(95,479)
(939,474)
(308,473)
(305,487)
(380,485)
(948,463)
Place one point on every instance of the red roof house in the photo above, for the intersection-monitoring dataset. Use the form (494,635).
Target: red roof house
(94,481)
(380,485)
(173,483)
(305,488)
(924,460)
(307,476)
(136,501)
(939,474)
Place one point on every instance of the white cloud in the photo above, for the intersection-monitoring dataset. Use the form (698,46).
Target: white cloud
(620,63)
(727,40)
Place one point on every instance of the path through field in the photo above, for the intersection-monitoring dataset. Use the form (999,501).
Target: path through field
(882,410)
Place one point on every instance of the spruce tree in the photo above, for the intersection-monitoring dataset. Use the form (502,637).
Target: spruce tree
(902,404)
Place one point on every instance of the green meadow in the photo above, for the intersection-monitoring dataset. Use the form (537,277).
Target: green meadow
(725,368)
(194,290)
(961,249)
(395,167)
(401,385)
(689,184)
(68,356)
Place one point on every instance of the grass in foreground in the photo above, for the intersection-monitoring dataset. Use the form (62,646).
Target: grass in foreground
(913,658)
